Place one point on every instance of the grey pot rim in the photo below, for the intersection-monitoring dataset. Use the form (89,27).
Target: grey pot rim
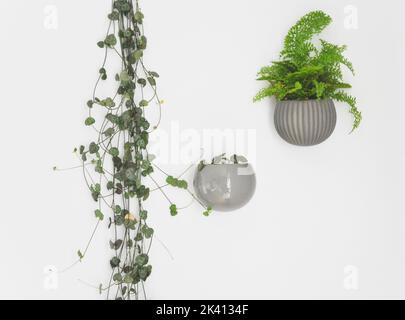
(227,164)
(308,100)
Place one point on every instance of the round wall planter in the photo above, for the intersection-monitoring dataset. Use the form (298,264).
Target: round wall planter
(225,187)
(305,123)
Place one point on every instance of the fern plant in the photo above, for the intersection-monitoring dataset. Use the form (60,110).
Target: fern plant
(308,72)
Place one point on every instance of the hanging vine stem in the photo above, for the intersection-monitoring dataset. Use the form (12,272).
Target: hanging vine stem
(120,154)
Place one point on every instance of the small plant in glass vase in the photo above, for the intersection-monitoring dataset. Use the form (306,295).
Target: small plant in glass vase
(225,184)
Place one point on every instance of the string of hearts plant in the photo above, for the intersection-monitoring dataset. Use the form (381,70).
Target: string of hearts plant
(117,166)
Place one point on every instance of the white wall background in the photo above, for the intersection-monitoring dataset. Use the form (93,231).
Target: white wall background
(316,210)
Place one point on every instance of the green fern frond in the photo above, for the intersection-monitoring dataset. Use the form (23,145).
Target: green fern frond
(306,72)
(348,64)
(352,102)
(339,85)
(276,72)
(286,64)
(297,87)
(319,89)
(332,54)
(297,46)
(264,93)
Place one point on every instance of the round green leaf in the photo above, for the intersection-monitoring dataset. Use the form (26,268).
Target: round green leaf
(115,262)
(114,152)
(139,16)
(90,121)
(173,210)
(99,215)
(144,103)
(110,40)
(142,260)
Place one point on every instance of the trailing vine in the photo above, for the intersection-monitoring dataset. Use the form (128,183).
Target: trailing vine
(117,166)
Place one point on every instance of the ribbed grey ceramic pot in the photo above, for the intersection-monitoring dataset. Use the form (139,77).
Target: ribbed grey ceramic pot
(305,123)
(225,187)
